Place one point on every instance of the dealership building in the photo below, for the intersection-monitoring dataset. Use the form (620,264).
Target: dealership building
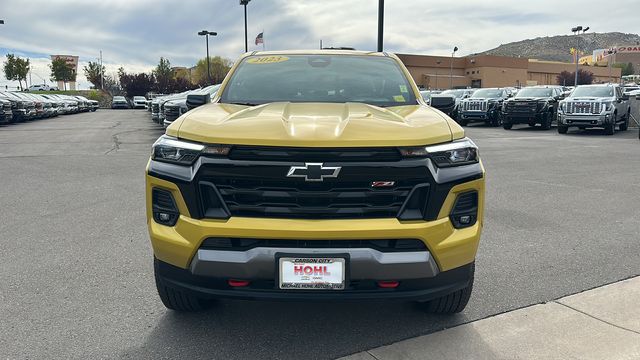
(443,72)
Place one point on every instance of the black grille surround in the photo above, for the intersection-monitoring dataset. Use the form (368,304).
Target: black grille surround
(261,188)
(244,244)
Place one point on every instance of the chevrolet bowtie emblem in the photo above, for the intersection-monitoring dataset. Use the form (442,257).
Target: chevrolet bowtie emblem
(314,172)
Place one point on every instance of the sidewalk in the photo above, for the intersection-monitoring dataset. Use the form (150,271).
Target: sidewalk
(603,323)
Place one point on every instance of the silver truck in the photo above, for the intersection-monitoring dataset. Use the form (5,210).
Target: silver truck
(588,106)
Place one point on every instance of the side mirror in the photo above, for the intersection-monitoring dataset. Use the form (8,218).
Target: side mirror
(195,100)
(624,97)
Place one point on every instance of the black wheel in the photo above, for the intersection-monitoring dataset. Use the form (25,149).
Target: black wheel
(452,303)
(610,128)
(496,120)
(532,124)
(546,121)
(562,129)
(625,124)
(463,122)
(175,299)
(507,125)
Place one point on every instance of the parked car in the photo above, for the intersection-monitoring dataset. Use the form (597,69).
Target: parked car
(139,102)
(484,105)
(176,107)
(39,87)
(426,95)
(340,189)
(38,106)
(589,106)
(18,106)
(458,95)
(6,115)
(532,105)
(119,102)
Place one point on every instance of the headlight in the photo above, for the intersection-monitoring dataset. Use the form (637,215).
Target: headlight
(562,107)
(172,150)
(607,105)
(456,153)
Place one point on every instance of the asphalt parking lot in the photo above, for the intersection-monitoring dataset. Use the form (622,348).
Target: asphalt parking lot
(561,217)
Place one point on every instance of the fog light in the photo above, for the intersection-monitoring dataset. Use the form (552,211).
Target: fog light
(465,220)
(164,217)
(594,122)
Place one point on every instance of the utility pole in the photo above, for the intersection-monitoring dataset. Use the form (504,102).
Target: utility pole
(455,48)
(380,24)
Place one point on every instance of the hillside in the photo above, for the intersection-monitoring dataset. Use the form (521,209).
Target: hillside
(556,48)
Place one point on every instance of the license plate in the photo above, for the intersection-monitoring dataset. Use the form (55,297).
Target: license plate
(316,273)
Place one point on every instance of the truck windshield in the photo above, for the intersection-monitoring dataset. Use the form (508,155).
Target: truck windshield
(455,93)
(534,92)
(372,80)
(487,93)
(593,91)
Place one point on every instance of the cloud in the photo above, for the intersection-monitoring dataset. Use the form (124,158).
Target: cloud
(136,33)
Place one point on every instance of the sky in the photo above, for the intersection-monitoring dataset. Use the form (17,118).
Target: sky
(134,34)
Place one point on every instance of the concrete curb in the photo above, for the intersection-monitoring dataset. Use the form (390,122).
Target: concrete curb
(602,323)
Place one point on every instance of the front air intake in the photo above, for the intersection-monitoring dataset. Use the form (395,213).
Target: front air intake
(465,210)
(165,211)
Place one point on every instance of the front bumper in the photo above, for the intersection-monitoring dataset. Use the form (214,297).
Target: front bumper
(584,119)
(478,115)
(422,289)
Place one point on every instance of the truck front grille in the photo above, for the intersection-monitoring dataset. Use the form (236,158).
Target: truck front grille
(171,112)
(521,107)
(577,107)
(472,105)
(267,198)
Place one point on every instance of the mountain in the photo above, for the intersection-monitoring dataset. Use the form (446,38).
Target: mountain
(556,48)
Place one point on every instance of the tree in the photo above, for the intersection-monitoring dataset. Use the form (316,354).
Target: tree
(218,66)
(566,78)
(163,75)
(137,84)
(626,69)
(179,84)
(61,71)
(94,71)
(17,69)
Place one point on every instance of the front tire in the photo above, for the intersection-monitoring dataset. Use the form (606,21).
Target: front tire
(463,122)
(451,303)
(507,125)
(625,125)
(610,128)
(562,129)
(175,299)
(546,122)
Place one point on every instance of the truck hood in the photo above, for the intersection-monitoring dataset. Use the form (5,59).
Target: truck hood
(316,125)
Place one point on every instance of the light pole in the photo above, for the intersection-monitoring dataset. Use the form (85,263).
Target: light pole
(101,73)
(455,48)
(380,23)
(206,34)
(437,68)
(245,3)
(576,31)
